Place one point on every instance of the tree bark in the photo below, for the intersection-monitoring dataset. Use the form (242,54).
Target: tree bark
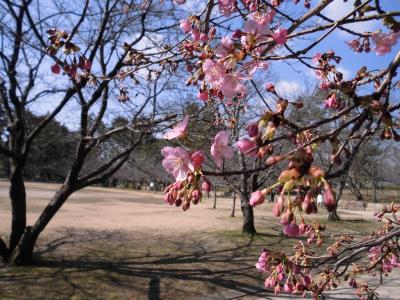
(233,205)
(215,197)
(18,202)
(23,252)
(248,215)
(333,216)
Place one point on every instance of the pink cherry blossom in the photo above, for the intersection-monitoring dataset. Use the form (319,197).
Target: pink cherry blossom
(195,35)
(257,198)
(331,102)
(354,45)
(252,129)
(177,162)
(185,26)
(384,41)
(214,72)
(229,85)
(251,67)
(317,56)
(225,47)
(220,148)
(179,130)
(227,7)
(198,158)
(246,146)
(279,36)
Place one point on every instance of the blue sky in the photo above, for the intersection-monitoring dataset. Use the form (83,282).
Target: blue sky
(290,77)
(295,74)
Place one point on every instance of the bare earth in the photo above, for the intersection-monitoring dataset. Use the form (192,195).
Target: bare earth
(118,244)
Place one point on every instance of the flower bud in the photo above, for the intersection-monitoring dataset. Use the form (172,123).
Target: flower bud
(291,230)
(206,186)
(329,197)
(257,198)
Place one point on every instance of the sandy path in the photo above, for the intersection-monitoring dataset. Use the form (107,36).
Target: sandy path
(115,209)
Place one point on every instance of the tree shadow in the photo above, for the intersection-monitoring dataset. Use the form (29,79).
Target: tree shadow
(160,267)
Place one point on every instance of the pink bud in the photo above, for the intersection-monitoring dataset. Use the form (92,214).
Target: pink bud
(302,227)
(252,129)
(197,158)
(291,230)
(307,280)
(246,147)
(168,198)
(185,26)
(178,185)
(203,37)
(196,35)
(178,202)
(306,205)
(329,197)
(87,65)
(196,195)
(202,96)
(56,69)
(276,211)
(206,186)
(279,36)
(257,198)
(277,289)
(237,34)
(288,287)
(270,87)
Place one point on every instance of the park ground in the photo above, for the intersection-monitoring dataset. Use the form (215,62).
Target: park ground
(119,244)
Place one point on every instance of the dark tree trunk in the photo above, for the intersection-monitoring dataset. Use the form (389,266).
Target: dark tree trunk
(233,205)
(215,197)
(248,215)
(333,216)
(356,191)
(18,202)
(23,252)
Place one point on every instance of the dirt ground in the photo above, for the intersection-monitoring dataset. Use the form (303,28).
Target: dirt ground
(118,244)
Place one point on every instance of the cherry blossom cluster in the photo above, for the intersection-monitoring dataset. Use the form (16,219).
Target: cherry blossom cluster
(223,70)
(73,59)
(307,181)
(283,275)
(383,42)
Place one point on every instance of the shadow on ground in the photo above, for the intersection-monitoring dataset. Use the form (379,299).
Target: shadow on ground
(117,265)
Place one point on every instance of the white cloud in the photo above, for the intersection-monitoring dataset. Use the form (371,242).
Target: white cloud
(194,7)
(347,74)
(339,9)
(288,89)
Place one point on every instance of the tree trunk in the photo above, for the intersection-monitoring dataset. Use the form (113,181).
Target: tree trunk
(215,197)
(18,202)
(233,205)
(23,252)
(333,216)
(248,215)
(356,191)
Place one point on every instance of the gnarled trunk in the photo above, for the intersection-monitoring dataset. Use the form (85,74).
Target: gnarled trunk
(22,254)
